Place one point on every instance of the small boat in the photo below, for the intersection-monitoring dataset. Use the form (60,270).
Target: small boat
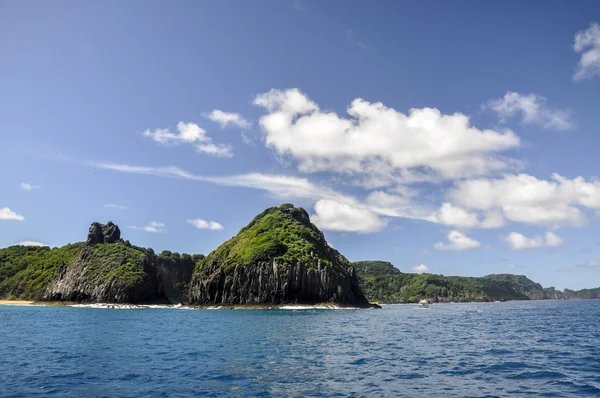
(423,304)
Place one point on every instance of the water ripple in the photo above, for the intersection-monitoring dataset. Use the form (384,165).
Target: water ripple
(545,349)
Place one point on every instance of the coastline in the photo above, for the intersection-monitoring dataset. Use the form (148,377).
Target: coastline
(123,306)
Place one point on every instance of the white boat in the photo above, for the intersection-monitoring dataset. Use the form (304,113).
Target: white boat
(423,304)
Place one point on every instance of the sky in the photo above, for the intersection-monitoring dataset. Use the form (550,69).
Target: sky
(458,138)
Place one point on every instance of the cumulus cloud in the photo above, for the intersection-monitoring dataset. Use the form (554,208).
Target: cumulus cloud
(532,109)
(519,241)
(527,199)
(8,214)
(453,215)
(189,133)
(30,243)
(115,206)
(419,269)
(153,226)
(458,241)
(27,186)
(202,224)
(380,142)
(553,240)
(587,43)
(334,216)
(225,119)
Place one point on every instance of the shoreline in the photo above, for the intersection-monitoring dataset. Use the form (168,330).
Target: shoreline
(124,306)
(16,302)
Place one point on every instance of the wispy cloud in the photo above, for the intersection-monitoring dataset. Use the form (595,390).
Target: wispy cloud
(8,214)
(532,109)
(225,119)
(115,206)
(203,224)
(189,133)
(27,186)
(353,39)
(295,187)
(153,226)
(587,42)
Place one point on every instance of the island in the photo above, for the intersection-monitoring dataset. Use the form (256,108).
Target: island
(280,258)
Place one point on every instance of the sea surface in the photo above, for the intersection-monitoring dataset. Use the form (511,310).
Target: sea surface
(538,348)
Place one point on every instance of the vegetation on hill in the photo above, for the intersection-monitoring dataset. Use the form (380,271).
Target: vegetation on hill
(583,293)
(279,257)
(282,233)
(104,268)
(26,272)
(381,281)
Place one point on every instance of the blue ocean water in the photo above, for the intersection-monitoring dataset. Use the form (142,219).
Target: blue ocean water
(541,348)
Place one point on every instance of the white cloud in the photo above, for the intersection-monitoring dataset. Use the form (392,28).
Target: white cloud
(30,243)
(153,226)
(527,199)
(380,142)
(334,216)
(419,269)
(225,119)
(189,133)
(288,187)
(115,206)
(532,109)
(519,241)
(403,196)
(280,186)
(553,240)
(587,42)
(8,214)
(222,151)
(452,215)
(202,224)
(458,241)
(26,186)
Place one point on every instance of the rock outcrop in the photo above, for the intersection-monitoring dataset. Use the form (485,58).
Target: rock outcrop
(103,233)
(110,270)
(279,258)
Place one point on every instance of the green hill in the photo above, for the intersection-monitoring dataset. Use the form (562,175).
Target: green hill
(103,269)
(279,257)
(382,282)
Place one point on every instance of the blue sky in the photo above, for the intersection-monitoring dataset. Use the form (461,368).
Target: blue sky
(448,137)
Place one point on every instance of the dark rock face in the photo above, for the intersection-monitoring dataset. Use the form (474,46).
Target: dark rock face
(103,233)
(268,282)
(110,270)
(280,257)
(175,274)
(76,283)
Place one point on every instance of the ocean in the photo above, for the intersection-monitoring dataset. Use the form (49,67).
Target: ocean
(535,348)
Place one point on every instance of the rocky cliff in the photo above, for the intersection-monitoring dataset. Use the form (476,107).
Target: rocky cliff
(103,269)
(279,258)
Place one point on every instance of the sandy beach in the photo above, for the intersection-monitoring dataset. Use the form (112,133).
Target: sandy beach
(15,302)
